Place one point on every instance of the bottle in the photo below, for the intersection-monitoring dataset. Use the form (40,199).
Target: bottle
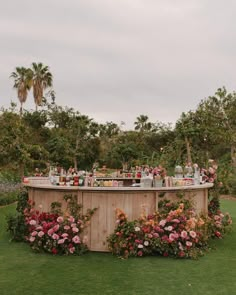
(178,172)
(196,176)
(81,180)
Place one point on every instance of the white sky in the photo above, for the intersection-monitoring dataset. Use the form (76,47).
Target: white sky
(114,60)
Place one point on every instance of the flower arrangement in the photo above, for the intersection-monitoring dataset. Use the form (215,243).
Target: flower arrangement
(176,233)
(57,233)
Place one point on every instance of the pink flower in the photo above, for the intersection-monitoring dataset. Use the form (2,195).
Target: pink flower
(50,231)
(155,235)
(64,235)
(189,244)
(176,220)
(55,237)
(140,253)
(180,246)
(39,227)
(73,224)
(193,234)
(162,222)
(40,234)
(34,233)
(32,222)
(169,228)
(60,219)
(184,234)
(56,227)
(76,239)
(71,219)
(60,241)
(66,227)
(31,239)
(172,237)
(75,229)
(72,250)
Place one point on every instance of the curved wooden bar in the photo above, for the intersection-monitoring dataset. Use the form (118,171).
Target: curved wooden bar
(132,200)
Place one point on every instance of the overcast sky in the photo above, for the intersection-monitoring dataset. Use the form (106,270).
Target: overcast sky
(114,60)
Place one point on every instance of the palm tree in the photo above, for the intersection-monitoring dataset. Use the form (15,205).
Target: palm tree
(142,123)
(22,82)
(42,79)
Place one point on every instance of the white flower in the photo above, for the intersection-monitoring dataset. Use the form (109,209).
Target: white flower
(137,228)
(146,243)
(140,246)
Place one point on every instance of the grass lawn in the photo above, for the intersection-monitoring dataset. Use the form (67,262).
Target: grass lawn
(24,272)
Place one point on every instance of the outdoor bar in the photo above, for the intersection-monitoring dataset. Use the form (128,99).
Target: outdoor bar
(132,200)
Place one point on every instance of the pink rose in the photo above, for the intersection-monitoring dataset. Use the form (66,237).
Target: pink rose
(193,234)
(50,231)
(64,235)
(71,219)
(40,234)
(176,220)
(172,237)
(76,240)
(34,233)
(189,244)
(56,227)
(32,222)
(31,239)
(66,227)
(73,224)
(55,237)
(184,234)
(75,229)
(60,241)
(72,250)
(162,222)
(60,219)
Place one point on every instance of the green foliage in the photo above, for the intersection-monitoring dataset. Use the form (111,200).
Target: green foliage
(16,222)
(7,198)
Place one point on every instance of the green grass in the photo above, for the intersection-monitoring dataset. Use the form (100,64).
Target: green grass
(24,272)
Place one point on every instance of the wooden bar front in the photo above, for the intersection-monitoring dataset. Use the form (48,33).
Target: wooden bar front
(132,200)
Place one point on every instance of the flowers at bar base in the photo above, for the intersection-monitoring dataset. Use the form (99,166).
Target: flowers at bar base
(57,234)
(178,233)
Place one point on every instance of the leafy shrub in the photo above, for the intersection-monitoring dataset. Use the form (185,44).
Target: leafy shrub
(8,198)
(16,222)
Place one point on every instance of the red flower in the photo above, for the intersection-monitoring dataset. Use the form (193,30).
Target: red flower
(54,251)
(165,254)
(140,253)
(181,254)
(218,234)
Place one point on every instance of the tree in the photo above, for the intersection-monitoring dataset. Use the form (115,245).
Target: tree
(41,80)
(218,117)
(22,82)
(142,124)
